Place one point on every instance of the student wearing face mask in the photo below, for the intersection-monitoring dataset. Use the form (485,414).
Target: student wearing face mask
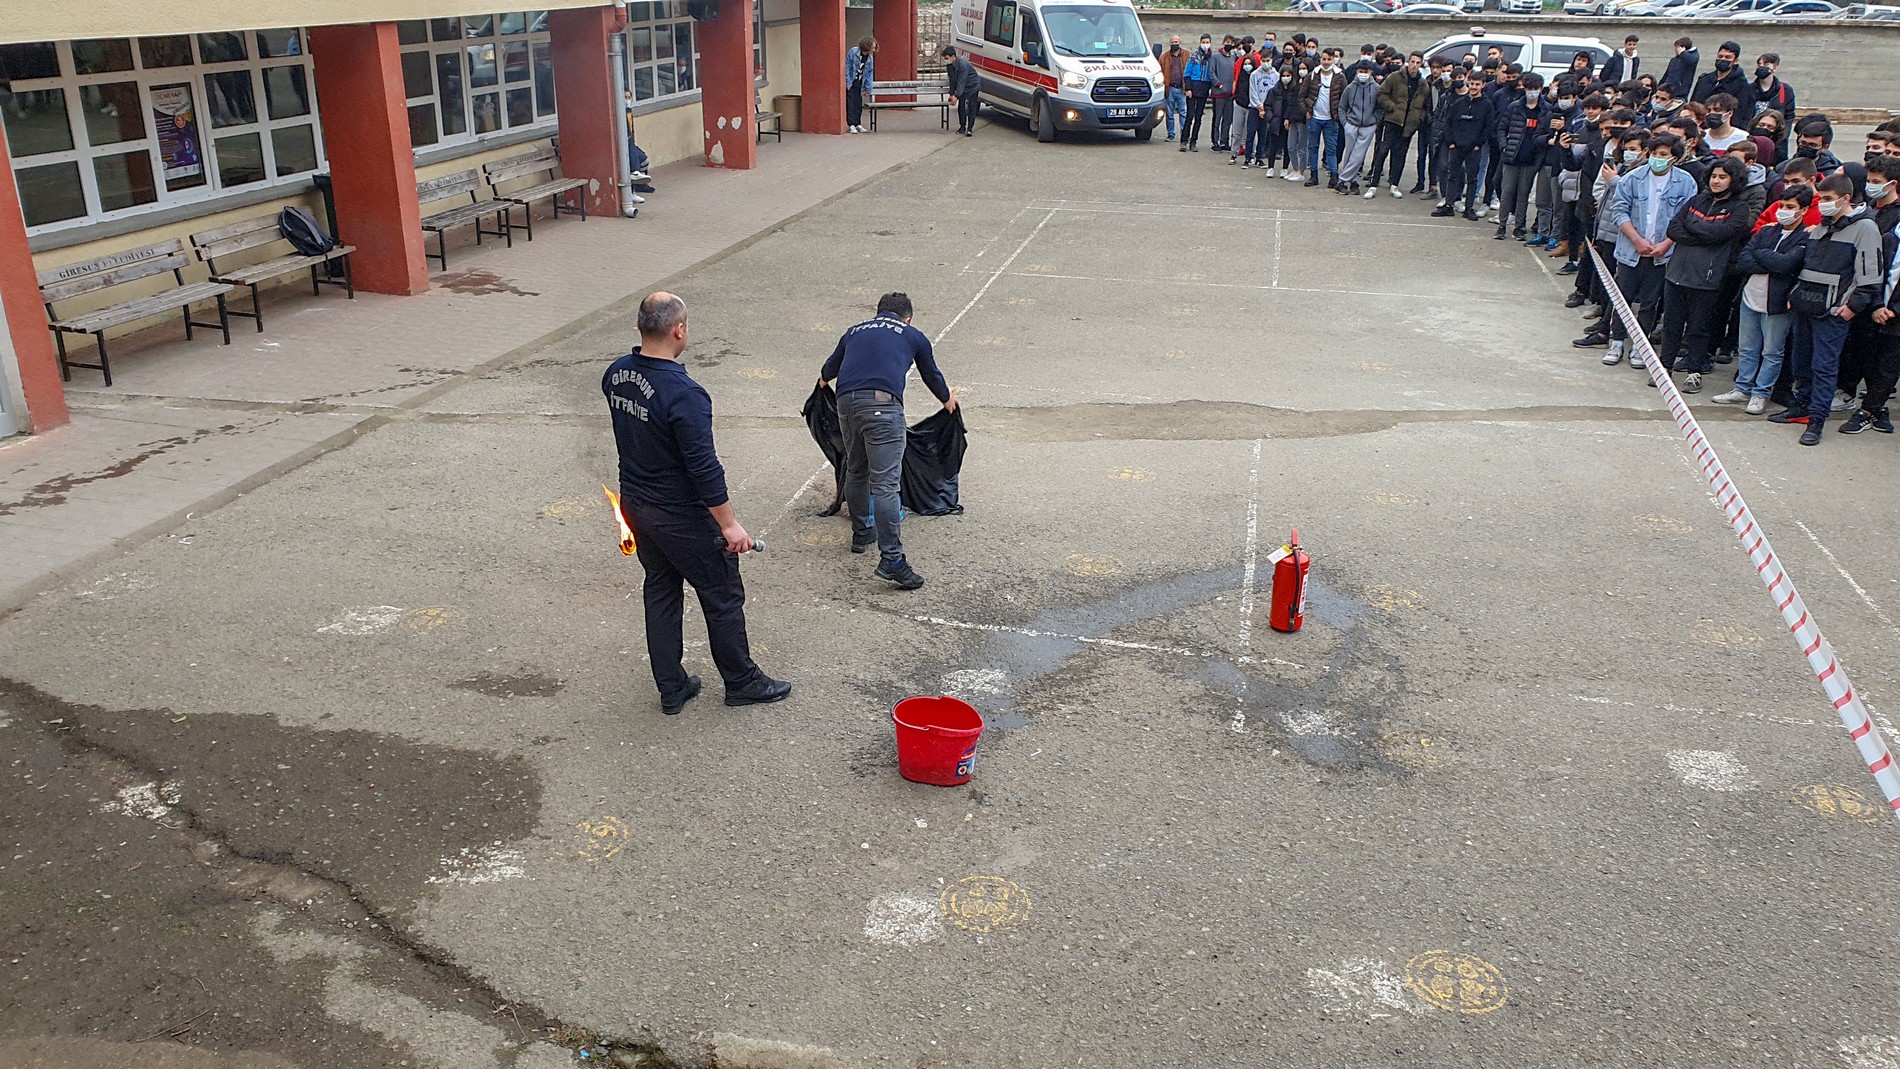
(1174,61)
(1840,281)
(1720,132)
(1664,106)
(1523,138)
(1644,203)
(1812,139)
(1770,136)
(1246,119)
(1706,234)
(1404,107)
(1727,77)
(1320,98)
(1463,131)
(1886,373)
(1566,121)
(1796,173)
(1601,144)
(1261,123)
(1220,94)
(1768,93)
(1199,84)
(1438,88)
(1359,116)
(1622,157)
(1769,265)
(1293,110)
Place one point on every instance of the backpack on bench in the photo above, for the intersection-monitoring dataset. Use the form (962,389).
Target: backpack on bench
(300,228)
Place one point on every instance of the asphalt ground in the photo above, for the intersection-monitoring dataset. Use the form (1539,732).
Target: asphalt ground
(1542,782)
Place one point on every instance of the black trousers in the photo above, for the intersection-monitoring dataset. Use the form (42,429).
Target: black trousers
(1688,328)
(1427,159)
(675,545)
(1884,373)
(1642,287)
(854,106)
(1222,137)
(1461,176)
(1395,143)
(1197,108)
(967,107)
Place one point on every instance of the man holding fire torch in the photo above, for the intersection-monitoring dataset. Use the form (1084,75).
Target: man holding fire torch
(673,495)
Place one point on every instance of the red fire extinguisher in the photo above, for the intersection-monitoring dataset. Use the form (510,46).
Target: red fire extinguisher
(1290,564)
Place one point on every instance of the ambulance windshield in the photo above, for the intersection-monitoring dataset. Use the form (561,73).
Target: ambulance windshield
(1107,32)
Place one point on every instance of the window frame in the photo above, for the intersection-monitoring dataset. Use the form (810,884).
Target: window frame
(193,74)
(993,31)
(534,37)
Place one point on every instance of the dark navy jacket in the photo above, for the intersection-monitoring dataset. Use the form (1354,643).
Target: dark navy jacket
(663,428)
(877,355)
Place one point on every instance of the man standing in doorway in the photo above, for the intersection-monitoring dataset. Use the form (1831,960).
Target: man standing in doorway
(673,495)
(869,367)
(965,85)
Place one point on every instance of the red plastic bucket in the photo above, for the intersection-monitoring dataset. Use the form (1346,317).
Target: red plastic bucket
(936,740)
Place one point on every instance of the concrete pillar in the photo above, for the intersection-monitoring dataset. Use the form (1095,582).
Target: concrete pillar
(726,87)
(822,44)
(894,24)
(21,314)
(589,115)
(372,169)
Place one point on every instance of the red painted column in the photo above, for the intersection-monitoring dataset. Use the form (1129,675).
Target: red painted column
(372,170)
(821,49)
(24,318)
(726,87)
(589,115)
(894,24)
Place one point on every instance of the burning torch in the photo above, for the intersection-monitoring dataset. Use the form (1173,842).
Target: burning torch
(627,545)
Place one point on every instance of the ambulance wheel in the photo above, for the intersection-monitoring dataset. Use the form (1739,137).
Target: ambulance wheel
(1045,122)
(1145,134)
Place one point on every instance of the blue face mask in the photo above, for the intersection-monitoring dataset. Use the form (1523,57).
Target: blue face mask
(1659,164)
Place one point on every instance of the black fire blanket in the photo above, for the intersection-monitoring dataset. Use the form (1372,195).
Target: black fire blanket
(933,456)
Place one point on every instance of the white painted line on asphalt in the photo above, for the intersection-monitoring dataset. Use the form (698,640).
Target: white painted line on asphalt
(481,864)
(1200,211)
(998,236)
(1278,218)
(1089,640)
(1191,284)
(787,507)
(1671,707)
(367,620)
(1250,559)
(1711,770)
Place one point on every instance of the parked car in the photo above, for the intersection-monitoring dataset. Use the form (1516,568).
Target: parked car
(1429,9)
(1867,13)
(1580,7)
(1724,9)
(1791,9)
(1657,8)
(1520,7)
(1548,56)
(1336,7)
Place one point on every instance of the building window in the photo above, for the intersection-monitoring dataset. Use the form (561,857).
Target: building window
(474,75)
(663,49)
(103,128)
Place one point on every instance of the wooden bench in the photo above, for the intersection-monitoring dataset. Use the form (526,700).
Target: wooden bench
(76,280)
(459,184)
(922,93)
(533,165)
(766,122)
(226,242)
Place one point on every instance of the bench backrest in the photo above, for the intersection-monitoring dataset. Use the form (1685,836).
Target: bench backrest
(90,276)
(237,237)
(449,185)
(881,88)
(522,166)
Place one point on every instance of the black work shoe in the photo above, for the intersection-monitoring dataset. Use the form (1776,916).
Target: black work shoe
(1812,436)
(897,570)
(1443,211)
(1311,180)
(762,691)
(1416,190)
(1592,340)
(861,543)
(1882,423)
(1500,235)
(1472,214)
(672,708)
(1575,300)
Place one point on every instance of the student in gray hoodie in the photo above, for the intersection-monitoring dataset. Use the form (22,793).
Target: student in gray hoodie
(1359,115)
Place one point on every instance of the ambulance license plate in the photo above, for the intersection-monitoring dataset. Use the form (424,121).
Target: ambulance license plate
(1123,113)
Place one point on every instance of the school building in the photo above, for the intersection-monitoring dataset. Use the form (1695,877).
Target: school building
(127,124)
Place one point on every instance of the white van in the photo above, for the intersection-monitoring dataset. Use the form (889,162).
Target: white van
(1548,56)
(1064,64)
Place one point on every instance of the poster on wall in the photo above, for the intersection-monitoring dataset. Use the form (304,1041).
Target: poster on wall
(179,146)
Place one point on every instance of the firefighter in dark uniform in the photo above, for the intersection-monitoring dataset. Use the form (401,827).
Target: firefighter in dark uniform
(673,493)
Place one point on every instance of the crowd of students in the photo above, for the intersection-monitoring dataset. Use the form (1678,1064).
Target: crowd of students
(1727,222)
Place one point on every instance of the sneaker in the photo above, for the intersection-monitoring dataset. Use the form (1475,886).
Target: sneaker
(897,570)
(1535,241)
(1593,340)
(1860,421)
(1183,145)
(1192,147)
(1171,137)
(1882,423)
(1396,195)
(1791,415)
(1481,213)
(1757,405)
(1519,234)
(1371,191)
(672,708)
(1723,356)
(1636,358)
(1494,204)
(639,176)
(1443,211)
(1812,436)
(762,691)
(1476,217)
(1273,171)
(1569,268)
(1416,190)
(1231,160)
(860,543)
(1294,176)
(1614,356)
(636,198)
(1844,400)
(1575,300)
(1244,164)
(1733,397)
(1692,383)
(1500,235)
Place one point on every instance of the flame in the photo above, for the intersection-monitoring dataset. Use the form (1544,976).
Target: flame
(626,533)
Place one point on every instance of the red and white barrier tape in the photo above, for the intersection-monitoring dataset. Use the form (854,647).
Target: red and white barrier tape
(1781,590)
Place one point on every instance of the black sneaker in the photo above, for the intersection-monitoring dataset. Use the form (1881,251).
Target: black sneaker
(1443,211)
(1860,421)
(862,542)
(1472,214)
(1311,180)
(672,708)
(1723,356)
(762,691)
(1812,436)
(1575,300)
(1416,190)
(1792,415)
(1569,268)
(1882,423)
(1593,340)
(1518,234)
(897,570)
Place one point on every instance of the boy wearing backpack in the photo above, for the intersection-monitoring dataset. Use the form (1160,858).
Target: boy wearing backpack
(1841,279)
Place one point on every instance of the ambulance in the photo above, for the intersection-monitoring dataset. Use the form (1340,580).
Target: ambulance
(1064,64)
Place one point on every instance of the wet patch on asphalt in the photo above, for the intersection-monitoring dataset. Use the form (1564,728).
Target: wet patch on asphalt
(524,683)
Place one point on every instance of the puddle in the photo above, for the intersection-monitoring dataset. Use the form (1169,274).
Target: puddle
(522,684)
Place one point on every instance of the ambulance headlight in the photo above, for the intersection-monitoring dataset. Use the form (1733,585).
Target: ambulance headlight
(1074,80)
(1157,80)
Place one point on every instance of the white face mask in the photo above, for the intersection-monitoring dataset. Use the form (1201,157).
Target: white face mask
(1828,208)
(1786,216)
(1566,103)
(1364,76)
(1877,190)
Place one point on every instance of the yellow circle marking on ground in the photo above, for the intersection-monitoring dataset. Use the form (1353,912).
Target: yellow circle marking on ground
(1459,983)
(569,507)
(595,841)
(821,538)
(1712,633)
(1132,475)
(757,373)
(1835,800)
(432,617)
(984,903)
(1086,564)
(1392,498)
(1666,524)
(1392,598)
